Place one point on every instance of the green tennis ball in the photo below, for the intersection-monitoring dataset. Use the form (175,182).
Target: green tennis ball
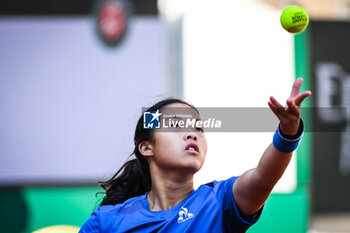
(294,19)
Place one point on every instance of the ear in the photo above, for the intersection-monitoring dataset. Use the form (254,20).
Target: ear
(146,148)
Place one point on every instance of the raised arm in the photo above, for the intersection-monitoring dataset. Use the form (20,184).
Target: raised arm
(254,186)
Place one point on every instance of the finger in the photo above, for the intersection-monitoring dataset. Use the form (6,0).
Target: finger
(299,98)
(296,87)
(273,108)
(276,110)
(290,103)
(279,109)
(271,105)
(292,108)
(275,102)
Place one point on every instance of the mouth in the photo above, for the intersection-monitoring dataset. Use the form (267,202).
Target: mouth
(192,148)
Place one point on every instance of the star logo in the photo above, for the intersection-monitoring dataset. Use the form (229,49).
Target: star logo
(156,115)
(151,120)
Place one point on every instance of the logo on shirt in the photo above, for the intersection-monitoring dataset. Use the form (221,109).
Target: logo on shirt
(184,215)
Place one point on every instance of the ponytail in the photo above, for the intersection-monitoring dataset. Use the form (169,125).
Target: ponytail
(133,179)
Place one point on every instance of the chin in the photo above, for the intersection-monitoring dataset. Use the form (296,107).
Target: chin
(194,167)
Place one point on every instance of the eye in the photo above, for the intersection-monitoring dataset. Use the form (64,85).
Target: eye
(175,125)
(199,129)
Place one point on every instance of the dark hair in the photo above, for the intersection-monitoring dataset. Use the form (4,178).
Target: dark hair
(134,177)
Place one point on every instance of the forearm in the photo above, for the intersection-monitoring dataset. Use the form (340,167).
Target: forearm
(277,156)
(271,167)
(256,184)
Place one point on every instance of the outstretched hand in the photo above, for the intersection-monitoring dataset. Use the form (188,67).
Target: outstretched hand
(289,115)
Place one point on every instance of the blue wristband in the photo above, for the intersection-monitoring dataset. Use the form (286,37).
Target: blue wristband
(286,145)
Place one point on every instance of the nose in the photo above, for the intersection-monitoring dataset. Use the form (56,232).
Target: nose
(191,136)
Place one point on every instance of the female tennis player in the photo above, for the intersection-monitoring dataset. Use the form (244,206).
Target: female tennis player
(154,192)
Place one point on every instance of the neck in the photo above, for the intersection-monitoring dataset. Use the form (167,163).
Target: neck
(168,190)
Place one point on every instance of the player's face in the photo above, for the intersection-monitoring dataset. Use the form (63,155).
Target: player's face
(179,147)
